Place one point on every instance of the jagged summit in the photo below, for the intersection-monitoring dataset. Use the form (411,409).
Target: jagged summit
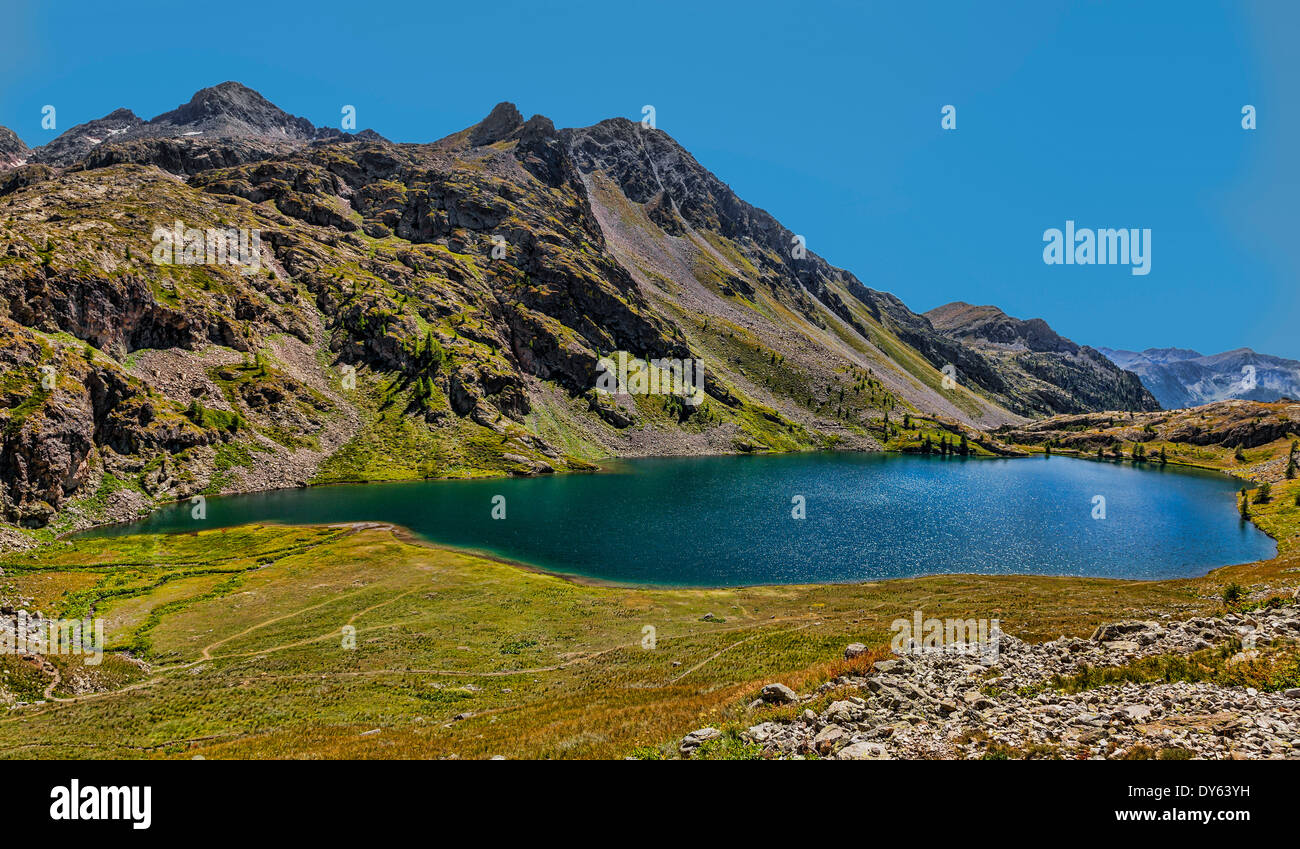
(13,151)
(83,138)
(230,109)
(501,122)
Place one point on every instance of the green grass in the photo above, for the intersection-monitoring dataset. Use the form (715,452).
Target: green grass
(1272,668)
(394,445)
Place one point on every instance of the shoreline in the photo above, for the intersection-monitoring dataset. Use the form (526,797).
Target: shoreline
(408,536)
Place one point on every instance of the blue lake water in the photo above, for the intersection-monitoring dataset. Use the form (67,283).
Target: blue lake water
(727,521)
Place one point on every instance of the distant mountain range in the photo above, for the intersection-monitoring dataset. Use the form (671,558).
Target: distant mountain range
(1179,377)
(468,288)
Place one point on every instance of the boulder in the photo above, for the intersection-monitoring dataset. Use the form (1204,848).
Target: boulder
(697,738)
(863,751)
(829,739)
(778,694)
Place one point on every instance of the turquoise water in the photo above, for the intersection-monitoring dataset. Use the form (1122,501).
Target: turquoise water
(726,521)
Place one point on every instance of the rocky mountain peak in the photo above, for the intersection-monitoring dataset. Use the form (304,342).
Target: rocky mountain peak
(500,123)
(123,116)
(990,324)
(229,109)
(13,152)
(83,138)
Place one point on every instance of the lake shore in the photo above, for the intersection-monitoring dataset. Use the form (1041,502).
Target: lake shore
(720,521)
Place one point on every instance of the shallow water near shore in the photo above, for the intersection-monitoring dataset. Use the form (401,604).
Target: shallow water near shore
(728,521)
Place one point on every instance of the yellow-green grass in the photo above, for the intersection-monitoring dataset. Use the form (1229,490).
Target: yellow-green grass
(240,633)
(393,444)
(1217,457)
(1270,668)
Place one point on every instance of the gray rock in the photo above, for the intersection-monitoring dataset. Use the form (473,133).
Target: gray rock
(778,694)
(1136,713)
(696,738)
(829,739)
(863,751)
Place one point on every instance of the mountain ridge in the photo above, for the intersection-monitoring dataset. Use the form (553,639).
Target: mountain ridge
(1046,360)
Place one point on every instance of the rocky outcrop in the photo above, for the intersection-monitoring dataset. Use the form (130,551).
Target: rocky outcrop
(1226,424)
(79,141)
(1012,703)
(230,110)
(501,122)
(13,152)
(62,412)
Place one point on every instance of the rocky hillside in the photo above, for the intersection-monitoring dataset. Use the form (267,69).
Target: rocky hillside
(1045,373)
(409,310)
(75,143)
(12,150)
(1178,377)
(1216,688)
(1247,438)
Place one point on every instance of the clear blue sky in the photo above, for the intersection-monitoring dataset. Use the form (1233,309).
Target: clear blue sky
(1114,114)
